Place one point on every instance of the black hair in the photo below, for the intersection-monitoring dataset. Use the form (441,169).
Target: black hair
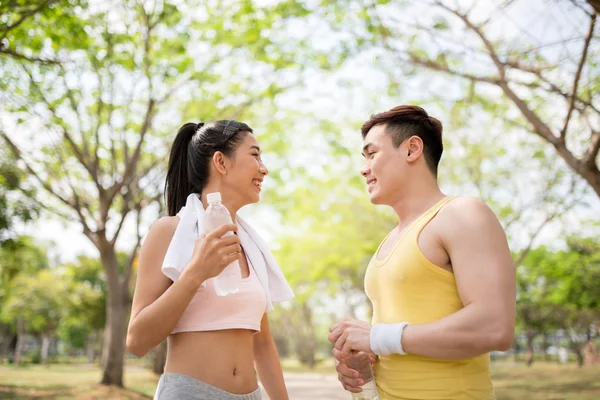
(405,121)
(190,156)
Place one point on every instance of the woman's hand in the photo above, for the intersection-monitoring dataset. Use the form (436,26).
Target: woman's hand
(213,252)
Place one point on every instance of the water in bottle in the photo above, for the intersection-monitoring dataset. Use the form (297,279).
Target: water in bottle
(230,279)
(360,362)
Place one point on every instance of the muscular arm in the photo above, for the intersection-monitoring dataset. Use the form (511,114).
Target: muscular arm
(266,361)
(485,276)
(158,303)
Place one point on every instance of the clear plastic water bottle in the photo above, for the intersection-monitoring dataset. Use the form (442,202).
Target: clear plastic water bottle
(230,279)
(360,362)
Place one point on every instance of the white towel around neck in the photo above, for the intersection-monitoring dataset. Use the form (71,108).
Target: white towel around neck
(191,225)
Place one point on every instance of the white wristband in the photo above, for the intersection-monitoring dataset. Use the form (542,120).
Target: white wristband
(386,339)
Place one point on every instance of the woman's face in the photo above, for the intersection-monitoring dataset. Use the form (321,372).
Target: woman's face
(245,172)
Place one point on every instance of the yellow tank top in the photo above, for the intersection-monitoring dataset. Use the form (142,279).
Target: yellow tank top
(406,286)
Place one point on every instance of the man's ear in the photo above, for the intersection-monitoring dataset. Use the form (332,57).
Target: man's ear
(219,162)
(414,147)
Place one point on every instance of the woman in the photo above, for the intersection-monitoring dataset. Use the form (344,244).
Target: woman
(214,342)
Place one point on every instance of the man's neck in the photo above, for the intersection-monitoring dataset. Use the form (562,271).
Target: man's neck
(416,200)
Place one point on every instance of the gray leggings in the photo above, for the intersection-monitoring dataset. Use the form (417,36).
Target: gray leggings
(173,386)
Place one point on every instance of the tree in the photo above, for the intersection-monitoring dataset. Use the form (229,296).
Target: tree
(37,302)
(331,232)
(19,257)
(86,315)
(24,24)
(337,232)
(566,285)
(550,94)
(530,192)
(15,203)
(108,108)
(536,313)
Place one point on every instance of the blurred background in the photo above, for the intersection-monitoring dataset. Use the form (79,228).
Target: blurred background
(93,91)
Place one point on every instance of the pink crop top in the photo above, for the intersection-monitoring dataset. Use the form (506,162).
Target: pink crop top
(210,312)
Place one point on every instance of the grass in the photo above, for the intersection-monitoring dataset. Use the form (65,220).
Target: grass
(543,381)
(546,381)
(71,381)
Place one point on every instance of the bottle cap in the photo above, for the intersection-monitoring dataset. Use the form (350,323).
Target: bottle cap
(213,197)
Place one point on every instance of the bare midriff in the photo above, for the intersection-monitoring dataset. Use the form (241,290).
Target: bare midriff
(223,358)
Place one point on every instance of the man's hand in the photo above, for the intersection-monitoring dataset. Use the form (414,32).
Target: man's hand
(348,377)
(349,335)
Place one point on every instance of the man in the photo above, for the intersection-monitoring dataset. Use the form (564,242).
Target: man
(442,283)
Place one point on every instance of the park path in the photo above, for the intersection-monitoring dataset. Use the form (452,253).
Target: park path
(307,386)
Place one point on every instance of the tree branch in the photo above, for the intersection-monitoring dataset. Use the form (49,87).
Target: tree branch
(130,165)
(586,46)
(134,199)
(124,212)
(552,88)
(111,108)
(134,251)
(73,205)
(78,204)
(96,130)
(75,106)
(17,153)
(4,50)
(26,15)
(539,126)
(173,90)
(129,196)
(51,210)
(76,150)
(594,3)
(444,68)
(525,68)
(486,42)
(534,236)
(592,152)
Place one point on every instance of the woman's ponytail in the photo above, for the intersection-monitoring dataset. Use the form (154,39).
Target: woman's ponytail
(177,185)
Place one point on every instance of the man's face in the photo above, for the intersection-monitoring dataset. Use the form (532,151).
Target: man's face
(385,167)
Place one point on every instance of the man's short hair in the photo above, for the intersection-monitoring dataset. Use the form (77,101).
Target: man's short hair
(402,122)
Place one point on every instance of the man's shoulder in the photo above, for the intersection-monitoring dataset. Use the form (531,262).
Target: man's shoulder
(465,205)
(466,212)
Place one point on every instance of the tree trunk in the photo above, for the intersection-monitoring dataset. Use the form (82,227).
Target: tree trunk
(20,334)
(545,346)
(7,343)
(45,346)
(590,353)
(114,340)
(91,342)
(117,308)
(576,347)
(517,350)
(100,354)
(306,345)
(160,358)
(579,354)
(529,358)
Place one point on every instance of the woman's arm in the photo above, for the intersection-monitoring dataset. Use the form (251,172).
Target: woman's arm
(159,303)
(267,364)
